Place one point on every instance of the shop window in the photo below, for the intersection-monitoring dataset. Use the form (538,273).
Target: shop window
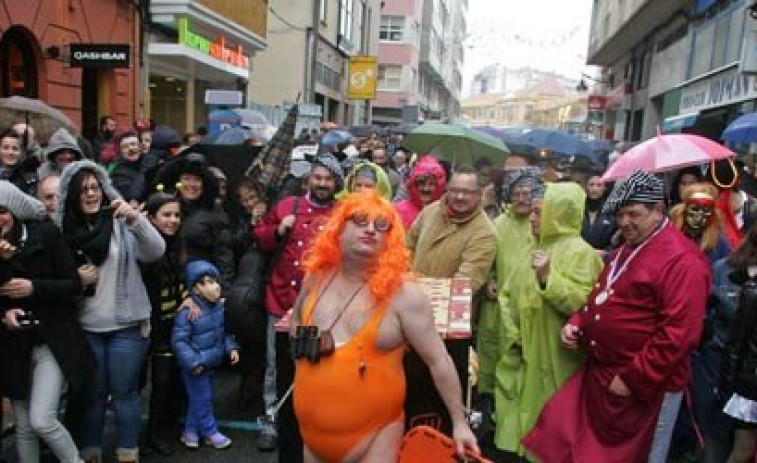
(18,66)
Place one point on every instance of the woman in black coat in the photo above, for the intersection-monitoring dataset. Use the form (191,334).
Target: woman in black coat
(41,342)
(205,225)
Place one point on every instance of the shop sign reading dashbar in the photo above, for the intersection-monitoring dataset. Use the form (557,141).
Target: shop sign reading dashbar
(217,49)
(99,55)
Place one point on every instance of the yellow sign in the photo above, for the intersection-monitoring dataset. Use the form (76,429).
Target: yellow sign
(363,76)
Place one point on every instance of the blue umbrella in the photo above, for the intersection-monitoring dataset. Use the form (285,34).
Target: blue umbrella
(742,130)
(236,136)
(336,137)
(499,133)
(556,141)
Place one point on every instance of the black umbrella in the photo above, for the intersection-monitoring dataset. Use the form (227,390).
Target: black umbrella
(271,167)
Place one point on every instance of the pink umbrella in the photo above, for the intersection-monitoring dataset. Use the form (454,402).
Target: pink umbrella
(665,153)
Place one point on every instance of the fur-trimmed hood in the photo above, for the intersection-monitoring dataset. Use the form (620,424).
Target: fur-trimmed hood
(109,193)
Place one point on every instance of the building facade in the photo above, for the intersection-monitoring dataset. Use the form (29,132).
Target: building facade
(310,45)
(420,60)
(39,38)
(197,46)
(543,103)
(675,65)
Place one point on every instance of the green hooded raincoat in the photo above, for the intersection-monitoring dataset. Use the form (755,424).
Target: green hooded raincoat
(532,361)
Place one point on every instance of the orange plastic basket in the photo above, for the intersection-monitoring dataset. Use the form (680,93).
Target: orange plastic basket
(423,444)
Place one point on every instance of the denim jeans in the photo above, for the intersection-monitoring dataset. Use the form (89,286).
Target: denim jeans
(119,355)
(38,416)
(269,382)
(200,419)
(665,423)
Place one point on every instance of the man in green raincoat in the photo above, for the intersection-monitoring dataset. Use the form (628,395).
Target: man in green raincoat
(514,244)
(552,282)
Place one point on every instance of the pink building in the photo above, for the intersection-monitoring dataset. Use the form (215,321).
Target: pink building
(420,60)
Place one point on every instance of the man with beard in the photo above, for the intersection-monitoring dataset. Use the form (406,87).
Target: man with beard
(641,321)
(452,237)
(287,230)
(104,135)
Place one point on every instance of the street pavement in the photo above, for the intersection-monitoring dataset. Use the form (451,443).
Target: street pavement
(238,424)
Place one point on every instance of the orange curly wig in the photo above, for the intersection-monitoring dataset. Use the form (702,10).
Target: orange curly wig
(390,268)
(713,231)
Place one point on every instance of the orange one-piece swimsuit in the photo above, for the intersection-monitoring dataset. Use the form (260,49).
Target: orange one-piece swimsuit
(350,394)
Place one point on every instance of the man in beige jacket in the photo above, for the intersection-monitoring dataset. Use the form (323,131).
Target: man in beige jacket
(452,237)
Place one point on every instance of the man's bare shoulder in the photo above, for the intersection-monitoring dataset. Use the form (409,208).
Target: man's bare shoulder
(410,296)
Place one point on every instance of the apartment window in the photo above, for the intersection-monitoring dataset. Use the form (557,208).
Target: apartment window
(701,56)
(328,77)
(734,35)
(322,11)
(392,28)
(389,77)
(345,19)
(717,42)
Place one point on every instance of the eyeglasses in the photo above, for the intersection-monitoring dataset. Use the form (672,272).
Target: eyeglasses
(91,188)
(380,223)
(463,192)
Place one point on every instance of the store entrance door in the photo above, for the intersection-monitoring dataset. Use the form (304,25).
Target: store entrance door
(89,102)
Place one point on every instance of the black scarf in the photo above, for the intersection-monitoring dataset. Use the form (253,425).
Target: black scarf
(94,241)
(594,205)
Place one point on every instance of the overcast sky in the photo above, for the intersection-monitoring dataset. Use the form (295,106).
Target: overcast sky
(551,35)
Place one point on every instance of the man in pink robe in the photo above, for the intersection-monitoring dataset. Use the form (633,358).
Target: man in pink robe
(640,323)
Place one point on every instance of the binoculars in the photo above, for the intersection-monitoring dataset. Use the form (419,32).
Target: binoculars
(311,343)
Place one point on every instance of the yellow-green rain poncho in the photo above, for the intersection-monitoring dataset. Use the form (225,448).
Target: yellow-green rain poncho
(382,181)
(532,362)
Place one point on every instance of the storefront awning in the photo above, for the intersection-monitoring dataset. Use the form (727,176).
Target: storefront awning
(194,63)
(676,123)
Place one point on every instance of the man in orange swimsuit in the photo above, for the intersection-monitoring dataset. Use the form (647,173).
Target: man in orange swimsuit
(363,311)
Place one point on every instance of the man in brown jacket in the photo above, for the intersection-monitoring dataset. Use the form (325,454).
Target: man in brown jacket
(452,237)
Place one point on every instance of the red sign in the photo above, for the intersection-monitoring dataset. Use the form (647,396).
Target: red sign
(596,103)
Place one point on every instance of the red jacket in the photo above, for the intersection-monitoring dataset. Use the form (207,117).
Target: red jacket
(643,332)
(286,279)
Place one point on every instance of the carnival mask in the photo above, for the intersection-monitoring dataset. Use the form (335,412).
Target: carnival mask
(700,211)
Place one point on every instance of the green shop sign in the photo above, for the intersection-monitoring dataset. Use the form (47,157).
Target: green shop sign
(217,49)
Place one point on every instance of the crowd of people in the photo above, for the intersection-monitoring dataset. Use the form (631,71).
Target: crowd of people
(610,323)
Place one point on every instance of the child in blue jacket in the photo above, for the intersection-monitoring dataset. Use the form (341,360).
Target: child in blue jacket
(200,344)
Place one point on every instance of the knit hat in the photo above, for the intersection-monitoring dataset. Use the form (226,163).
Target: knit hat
(330,162)
(529,176)
(22,206)
(197,269)
(639,187)
(62,140)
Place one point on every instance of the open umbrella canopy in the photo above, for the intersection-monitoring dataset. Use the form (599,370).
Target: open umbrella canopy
(43,118)
(665,153)
(555,141)
(252,118)
(236,136)
(742,130)
(336,137)
(455,143)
